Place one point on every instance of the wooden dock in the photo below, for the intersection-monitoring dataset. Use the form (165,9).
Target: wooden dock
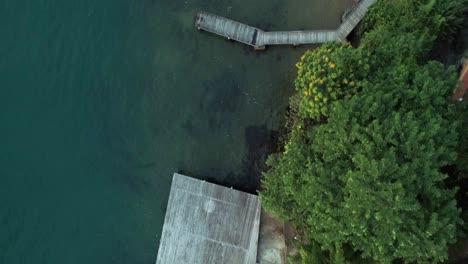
(295,37)
(208,223)
(227,28)
(258,38)
(353,19)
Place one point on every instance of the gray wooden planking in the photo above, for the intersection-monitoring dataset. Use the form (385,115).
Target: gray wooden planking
(353,19)
(295,37)
(255,37)
(226,28)
(207,223)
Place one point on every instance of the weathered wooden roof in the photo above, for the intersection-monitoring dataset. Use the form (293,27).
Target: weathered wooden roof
(207,223)
(462,89)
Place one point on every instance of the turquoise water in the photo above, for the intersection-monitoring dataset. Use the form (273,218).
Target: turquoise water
(101,101)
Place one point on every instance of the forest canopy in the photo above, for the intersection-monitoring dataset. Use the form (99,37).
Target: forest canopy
(362,172)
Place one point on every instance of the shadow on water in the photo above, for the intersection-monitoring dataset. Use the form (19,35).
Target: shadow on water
(218,103)
(221,99)
(134,182)
(260,142)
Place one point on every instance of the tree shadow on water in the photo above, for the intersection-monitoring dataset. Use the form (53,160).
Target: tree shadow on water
(260,142)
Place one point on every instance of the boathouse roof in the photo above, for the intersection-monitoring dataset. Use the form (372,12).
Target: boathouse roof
(208,223)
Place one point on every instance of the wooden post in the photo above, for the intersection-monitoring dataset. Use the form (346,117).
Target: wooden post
(260,48)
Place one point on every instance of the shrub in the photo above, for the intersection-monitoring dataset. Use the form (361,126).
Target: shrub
(332,72)
(441,18)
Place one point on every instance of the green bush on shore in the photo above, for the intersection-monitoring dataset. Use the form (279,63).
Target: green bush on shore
(439,18)
(329,73)
(367,182)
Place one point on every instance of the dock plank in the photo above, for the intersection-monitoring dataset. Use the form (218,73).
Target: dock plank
(353,19)
(258,38)
(295,37)
(225,27)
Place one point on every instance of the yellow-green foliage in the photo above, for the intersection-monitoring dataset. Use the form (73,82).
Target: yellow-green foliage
(325,75)
(367,184)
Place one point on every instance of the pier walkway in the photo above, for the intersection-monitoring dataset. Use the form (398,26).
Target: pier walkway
(259,39)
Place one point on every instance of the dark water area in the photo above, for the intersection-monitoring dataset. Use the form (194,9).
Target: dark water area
(101,101)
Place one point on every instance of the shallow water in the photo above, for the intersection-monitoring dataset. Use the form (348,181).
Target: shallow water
(101,101)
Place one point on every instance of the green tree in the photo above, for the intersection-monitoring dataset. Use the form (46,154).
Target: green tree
(462,158)
(367,182)
(332,72)
(439,18)
(370,177)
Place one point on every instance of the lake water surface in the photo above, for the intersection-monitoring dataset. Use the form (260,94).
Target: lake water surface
(101,101)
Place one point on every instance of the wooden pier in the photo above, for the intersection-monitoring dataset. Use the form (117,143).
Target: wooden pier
(295,37)
(258,38)
(227,28)
(353,19)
